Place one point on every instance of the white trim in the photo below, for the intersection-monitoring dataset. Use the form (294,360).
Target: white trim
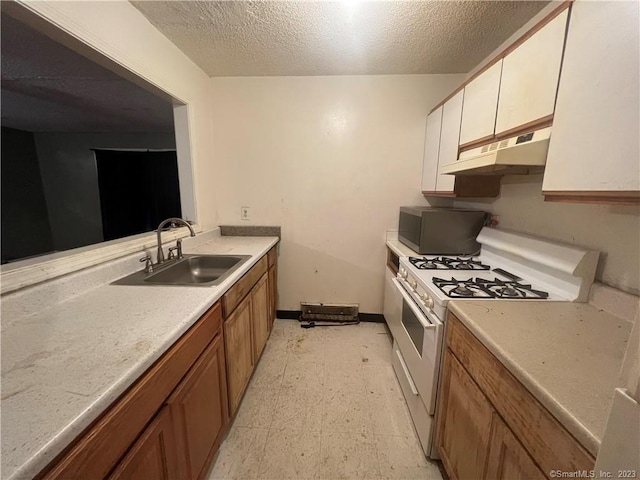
(34,270)
(63,23)
(186,165)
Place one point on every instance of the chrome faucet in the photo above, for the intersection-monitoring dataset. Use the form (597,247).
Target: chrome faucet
(160,257)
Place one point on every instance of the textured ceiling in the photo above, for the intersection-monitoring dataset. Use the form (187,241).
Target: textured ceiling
(48,88)
(349,37)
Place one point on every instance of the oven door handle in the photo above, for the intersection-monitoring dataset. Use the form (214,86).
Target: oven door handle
(422,318)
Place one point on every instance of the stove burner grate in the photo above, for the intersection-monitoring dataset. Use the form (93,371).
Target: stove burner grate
(462,288)
(512,289)
(482,288)
(447,263)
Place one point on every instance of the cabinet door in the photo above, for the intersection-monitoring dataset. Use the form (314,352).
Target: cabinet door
(153,455)
(431,151)
(100,448)
(464,426)
(273,294)
(594,148)
(239,350)
(508,460)
(449,140)
(480,106)
(530,77)
(242,287)
(260,312)
(199,410)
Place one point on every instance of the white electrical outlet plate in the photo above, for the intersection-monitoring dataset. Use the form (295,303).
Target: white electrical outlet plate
(244,213)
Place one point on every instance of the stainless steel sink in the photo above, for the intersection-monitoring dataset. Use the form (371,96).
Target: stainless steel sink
(193,270)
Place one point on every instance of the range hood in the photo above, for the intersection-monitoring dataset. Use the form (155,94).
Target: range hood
(521,155)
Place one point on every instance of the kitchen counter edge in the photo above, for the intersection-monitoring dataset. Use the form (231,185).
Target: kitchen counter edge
(564,413)
(48,450)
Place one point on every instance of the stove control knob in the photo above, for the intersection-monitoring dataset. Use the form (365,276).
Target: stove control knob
(428,301)
(414,284)
(403,273)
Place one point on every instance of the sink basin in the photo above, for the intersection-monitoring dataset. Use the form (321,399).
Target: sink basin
(194,270)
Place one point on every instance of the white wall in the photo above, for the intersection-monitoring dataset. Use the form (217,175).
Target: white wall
(121,33)
(70,180)
(330,159)
(614,231)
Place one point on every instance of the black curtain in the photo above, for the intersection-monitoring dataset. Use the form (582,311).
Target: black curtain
(137,191)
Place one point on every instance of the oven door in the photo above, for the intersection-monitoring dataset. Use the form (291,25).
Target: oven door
(420,342)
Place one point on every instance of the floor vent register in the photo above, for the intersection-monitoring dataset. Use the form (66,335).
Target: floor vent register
(328,314)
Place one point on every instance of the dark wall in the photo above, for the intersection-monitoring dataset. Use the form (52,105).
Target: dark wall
(70,179)
(25,222)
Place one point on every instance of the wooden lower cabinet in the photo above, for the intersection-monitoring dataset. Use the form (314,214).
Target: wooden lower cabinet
(232,298)
(239,348)
(154,455)
(170,422)
(273,294)
(272,260)
(490,426)
(260,313)
(474,442)
(167,425)
(508,459)
(466,422)
(199,411)
(247,327)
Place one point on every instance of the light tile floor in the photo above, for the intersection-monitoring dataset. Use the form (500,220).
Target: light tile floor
(323,403)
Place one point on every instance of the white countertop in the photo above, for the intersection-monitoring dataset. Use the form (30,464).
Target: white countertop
(401,249)
(64,365)
(568,355)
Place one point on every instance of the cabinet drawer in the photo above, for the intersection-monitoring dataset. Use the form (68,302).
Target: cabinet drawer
(234,296)
(103,444)
(546,440)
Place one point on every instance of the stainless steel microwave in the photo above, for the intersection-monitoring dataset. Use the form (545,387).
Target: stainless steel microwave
(441,231)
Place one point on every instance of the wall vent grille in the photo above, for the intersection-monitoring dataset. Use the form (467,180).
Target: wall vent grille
(329,312)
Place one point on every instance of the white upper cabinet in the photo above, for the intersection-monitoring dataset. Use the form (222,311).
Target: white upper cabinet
(594,146)
(431,151)
(530,77)
(480,105)
(449,140)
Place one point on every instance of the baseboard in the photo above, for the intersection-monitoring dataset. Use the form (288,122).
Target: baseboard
(364,317)
(372,317)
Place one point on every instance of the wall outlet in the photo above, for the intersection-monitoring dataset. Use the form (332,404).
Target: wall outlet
(244,213)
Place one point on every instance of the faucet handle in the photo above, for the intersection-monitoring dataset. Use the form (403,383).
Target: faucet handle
(148,266)
(171,255)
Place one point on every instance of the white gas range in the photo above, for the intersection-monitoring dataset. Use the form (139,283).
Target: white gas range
(510,266)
